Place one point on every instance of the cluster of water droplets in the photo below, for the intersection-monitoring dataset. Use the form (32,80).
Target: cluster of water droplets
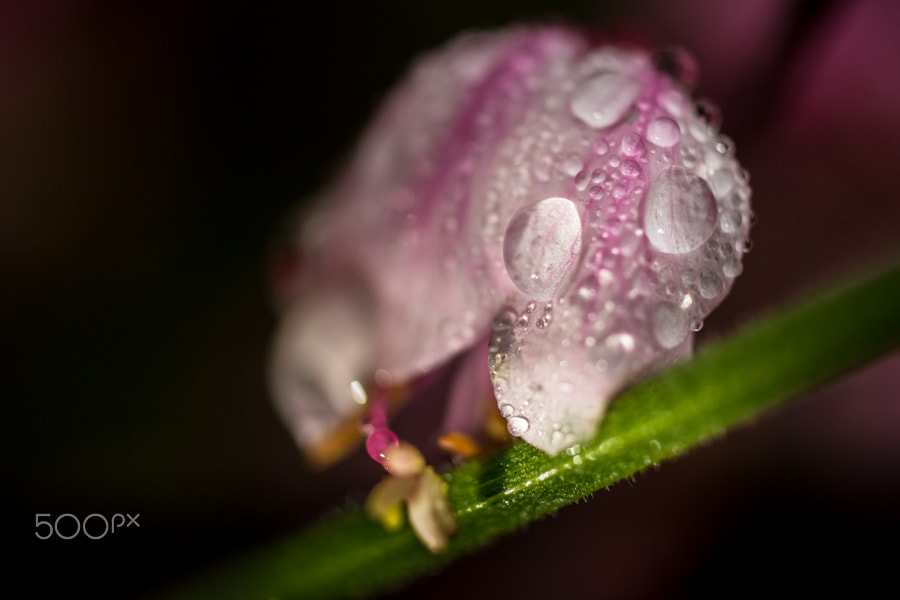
(629,230)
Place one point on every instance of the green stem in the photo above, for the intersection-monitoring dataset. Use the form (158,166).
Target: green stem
(728,383)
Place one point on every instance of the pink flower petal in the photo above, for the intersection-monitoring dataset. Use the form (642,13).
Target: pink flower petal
(569,199)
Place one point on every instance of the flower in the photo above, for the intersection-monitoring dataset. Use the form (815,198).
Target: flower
(562,212)
(567,206)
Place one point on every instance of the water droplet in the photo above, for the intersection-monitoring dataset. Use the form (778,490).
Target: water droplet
(506,410)
(582,179)
(663,132)
(697,325)
(632,144)
(721,182)
(517,426)
(630,169)
(670,324)
(544,321)
(500,386)
(672,101)
(708,113)
(725,146)
(689,159)
(542,246)
(730,221)
(573,165)
(601,147)
(603,99)
(732,267)
(680,213)
(710,284)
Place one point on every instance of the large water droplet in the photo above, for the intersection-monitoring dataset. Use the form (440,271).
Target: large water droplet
(680,213)
(663,132)
(603,99)
(517,426)
(542,246)
(670,324)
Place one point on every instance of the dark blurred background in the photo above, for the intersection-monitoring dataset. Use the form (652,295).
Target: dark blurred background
(149,155)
